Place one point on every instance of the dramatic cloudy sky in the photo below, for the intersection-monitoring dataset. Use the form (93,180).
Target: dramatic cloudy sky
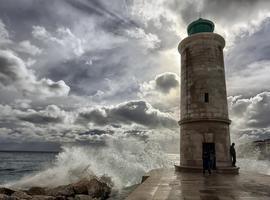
(84,71)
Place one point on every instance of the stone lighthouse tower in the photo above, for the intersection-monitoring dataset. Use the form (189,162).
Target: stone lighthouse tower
(204,111)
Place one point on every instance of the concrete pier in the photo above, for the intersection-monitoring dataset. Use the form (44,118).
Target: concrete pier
(161,184)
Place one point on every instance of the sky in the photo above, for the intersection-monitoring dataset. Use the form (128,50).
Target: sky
(86,71)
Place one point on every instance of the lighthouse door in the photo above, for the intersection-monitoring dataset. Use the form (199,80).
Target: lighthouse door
(210,149)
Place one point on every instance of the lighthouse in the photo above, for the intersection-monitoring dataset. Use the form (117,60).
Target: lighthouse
(204,122)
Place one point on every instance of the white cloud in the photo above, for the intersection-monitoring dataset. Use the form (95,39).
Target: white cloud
(163,92)
(14,74)
(63,37)
(250,116)
(4,34)
(249,80)
(146,40)
(26,47)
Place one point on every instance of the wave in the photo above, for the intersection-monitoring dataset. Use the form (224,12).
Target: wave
(254,165)
(124,161)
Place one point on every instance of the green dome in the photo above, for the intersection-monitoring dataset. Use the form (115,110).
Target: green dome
(200,26)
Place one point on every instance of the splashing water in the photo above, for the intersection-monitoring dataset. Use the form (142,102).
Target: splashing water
(125,161)
(254,165)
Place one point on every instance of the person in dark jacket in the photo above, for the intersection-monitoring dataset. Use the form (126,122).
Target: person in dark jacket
(212,160)
(233,154)
(206,162)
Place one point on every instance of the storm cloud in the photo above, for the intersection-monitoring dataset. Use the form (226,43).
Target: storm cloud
(138,112)
(81,71)
(13,73)
(167,81)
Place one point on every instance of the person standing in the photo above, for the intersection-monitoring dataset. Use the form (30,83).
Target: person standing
(206,161)
(233,154)
(212,160)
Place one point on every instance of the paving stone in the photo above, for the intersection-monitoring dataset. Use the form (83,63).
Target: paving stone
(166,184)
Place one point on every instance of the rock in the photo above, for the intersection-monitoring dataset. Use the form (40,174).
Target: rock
(98,189)
(21,195)
(6,197)
(43,197)
(94,188)
(106,179)
(81,187)
(83,197)
(60,198)
(6,191)
(64,190)
(84,189)
(36,191)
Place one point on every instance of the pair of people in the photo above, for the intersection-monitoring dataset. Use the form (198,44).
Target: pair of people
(209,159)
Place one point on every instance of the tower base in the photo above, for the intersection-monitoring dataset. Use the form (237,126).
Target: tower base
(220,170)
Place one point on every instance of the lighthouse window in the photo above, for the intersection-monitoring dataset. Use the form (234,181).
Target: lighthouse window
(206,97)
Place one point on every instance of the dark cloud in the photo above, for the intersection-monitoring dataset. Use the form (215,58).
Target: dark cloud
(138,112)
(108,52)
(231,10)
(250,115)
(185,10)
(165,82)
(248,61)
(249,49)
(40,119)
(135,119)
(22,15)
(222,11)
(98,116)
(113,20)
(140,134)
(96,132)
(11,69)
(95,74)
(110,44)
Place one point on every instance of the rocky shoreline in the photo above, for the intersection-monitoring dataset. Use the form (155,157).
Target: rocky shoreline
(85,189)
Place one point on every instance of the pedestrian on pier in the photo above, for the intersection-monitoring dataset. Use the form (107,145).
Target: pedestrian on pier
(233,154)
(206,161)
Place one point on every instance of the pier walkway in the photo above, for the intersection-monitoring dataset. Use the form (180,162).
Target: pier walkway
(166,184)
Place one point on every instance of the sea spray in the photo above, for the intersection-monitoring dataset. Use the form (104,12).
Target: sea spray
(254,165)
(253,158)
(125,161)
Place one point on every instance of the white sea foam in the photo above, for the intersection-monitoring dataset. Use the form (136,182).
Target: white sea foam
(125,161)
(254,165)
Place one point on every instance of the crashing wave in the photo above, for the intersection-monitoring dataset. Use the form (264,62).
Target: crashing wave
(124,161)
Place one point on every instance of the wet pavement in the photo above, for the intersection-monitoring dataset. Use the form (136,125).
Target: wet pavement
(167,184)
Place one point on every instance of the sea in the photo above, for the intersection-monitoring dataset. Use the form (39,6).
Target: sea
(18,164)
(50,169)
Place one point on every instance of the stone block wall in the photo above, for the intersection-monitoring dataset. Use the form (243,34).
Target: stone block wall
(204,108)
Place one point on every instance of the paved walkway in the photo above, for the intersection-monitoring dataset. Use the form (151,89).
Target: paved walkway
(167,184)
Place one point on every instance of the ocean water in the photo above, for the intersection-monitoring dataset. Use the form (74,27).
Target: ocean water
(16,165)
(124,162)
